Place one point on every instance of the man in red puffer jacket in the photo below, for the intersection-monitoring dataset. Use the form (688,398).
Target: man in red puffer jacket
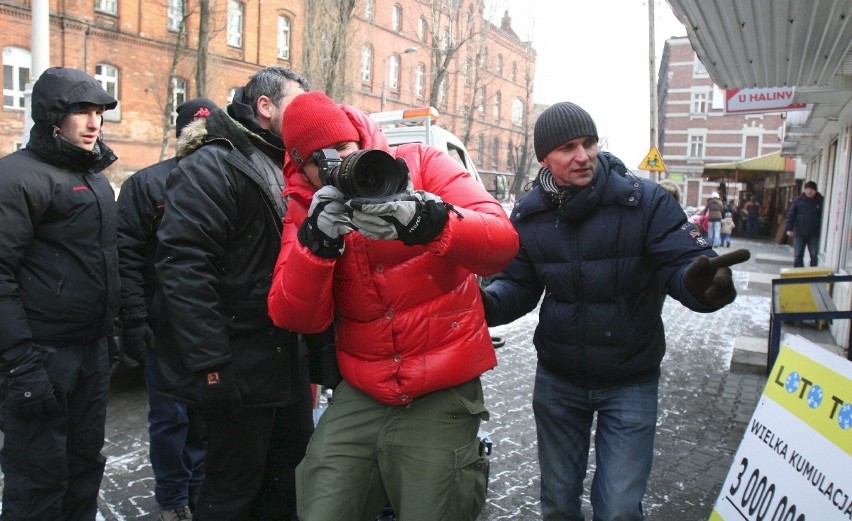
(397,280)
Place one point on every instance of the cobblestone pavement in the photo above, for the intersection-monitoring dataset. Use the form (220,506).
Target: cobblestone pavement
(703,411)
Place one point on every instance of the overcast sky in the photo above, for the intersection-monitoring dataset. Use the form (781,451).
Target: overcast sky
(595,54)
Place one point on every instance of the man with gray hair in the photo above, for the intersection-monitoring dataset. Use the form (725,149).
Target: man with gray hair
(216,348)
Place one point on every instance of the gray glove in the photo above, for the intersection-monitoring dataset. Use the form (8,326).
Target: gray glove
(413,217)
(327,222)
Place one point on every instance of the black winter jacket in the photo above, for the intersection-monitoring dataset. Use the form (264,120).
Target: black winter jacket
(218,242)
(604,276)
(58,259)
(140,209)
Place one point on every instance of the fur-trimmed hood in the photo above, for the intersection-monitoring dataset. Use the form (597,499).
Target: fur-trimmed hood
(220,126)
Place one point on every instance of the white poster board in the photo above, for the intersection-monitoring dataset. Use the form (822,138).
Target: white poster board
(795,459)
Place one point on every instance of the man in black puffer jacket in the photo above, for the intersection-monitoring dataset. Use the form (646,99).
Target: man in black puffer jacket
(59,292)
(216,347)
(607,247)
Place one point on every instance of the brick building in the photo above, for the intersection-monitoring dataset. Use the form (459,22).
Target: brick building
(695,131)
(486,96)
(129,45)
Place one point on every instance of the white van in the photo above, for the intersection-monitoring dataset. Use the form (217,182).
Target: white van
(418,126)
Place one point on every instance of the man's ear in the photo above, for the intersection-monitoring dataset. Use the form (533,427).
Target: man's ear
(264,106)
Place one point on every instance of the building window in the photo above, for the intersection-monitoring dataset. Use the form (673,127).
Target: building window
(396,18)
(283,38)
(369,9)
(393,72)
(480,149)
(495,154)
(178,96)
(366,64)
(696,145)
(106,6)
(175,15)
(698,68)
(107,75)
(484,55)
(420,80)
(515,71)
(468,72)
(16,75)
(499,64)
(422,29)
(480,101)
(699,103)
(517,112)
(235,23)
(498,100)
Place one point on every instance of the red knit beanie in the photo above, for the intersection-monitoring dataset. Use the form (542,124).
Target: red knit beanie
(313,121)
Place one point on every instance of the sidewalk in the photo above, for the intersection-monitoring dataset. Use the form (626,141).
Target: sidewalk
(768,259)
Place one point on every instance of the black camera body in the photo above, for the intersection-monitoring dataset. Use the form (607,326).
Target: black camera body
(369,173)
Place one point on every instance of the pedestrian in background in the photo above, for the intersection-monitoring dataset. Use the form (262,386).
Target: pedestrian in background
(600,337)
(59,292)
(673,189)
(397,279)
(216,347)
(714,209)
(175,449)
(804,221)
(726,229)
(752,214)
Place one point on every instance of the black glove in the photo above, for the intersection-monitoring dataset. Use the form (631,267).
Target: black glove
(136,339)
(412,217)
(28,390)
(487,303)
(114,354)
(709,280)
(327,222)
(219,390)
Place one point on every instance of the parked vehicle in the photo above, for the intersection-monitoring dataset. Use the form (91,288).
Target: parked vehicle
(418,126)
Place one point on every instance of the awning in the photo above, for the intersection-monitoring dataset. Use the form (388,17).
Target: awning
(758,167)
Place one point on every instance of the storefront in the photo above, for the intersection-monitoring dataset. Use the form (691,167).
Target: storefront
(770,179)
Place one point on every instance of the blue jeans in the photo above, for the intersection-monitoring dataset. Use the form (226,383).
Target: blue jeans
(624,446)
(713,233)
(799,243)
(176,452)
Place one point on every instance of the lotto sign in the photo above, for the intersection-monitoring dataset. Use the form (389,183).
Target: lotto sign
(793,462)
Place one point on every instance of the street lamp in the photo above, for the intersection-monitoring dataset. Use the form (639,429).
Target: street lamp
(387,75)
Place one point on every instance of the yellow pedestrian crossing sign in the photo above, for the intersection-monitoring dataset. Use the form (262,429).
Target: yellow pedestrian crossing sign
(653,161)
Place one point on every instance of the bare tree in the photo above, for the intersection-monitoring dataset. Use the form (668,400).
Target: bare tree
(520,150)
(449,29)
(169,107)
(474,77)
(327,28)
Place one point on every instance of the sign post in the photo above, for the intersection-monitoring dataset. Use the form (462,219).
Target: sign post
(653,161)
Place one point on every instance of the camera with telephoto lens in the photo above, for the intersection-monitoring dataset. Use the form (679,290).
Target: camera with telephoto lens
(369,173)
